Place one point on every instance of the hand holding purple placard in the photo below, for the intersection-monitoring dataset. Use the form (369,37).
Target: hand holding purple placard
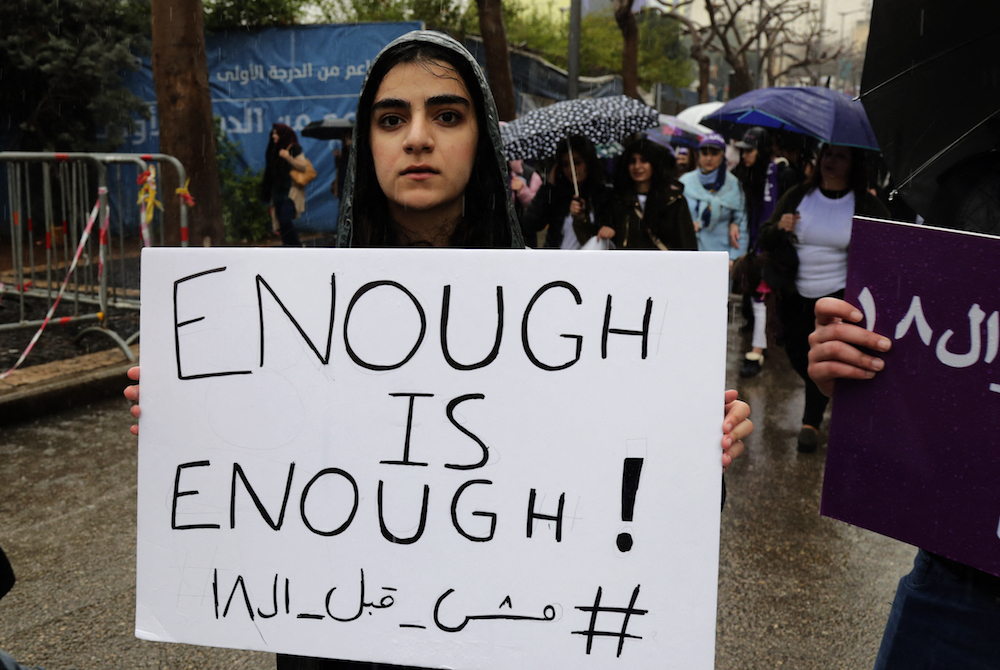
(906,456)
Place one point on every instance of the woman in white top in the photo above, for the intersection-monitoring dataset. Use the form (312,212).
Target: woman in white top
(816,219)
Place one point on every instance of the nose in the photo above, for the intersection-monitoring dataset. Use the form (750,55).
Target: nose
(418,136)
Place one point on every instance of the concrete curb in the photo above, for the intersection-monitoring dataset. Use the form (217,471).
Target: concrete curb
(52,387)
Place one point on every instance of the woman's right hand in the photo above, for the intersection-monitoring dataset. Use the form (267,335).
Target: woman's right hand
(788,222)
(577,206)
(834,346)
(132,393)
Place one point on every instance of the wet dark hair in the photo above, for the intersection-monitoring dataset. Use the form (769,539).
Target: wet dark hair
(857,179)
(663,162)
(595,171)
(484,222)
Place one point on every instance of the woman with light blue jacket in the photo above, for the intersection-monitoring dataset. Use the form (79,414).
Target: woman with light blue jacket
(715,197)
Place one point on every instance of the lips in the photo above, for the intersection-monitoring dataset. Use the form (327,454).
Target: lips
(418,170)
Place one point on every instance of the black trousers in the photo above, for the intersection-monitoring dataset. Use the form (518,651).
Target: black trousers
(798,319)
(286,222)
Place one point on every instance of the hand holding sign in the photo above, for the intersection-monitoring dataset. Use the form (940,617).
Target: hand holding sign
(833,346)
(905,453)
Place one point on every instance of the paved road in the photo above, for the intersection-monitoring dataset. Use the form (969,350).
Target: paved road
(796,590)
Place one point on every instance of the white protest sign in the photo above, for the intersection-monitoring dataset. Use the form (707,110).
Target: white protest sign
(490,459)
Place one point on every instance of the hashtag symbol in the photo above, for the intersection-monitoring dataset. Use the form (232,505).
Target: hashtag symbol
(597,609)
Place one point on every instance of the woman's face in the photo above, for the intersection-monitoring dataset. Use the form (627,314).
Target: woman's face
(749,157)
(640,170)
(274,136)
(836,165)
(682,160)
(578,163)
(710,158)
(424,135)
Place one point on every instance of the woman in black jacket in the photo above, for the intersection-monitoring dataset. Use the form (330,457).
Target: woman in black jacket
(574,202)
(283,155)
(648,210)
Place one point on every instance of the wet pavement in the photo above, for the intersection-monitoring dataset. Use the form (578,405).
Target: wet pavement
(796,590)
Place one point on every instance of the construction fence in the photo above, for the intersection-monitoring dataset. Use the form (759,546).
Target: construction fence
(77,222)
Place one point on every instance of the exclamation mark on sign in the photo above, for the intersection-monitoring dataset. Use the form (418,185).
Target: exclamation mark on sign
(630,484)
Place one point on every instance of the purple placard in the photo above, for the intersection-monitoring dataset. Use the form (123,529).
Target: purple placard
(913,453)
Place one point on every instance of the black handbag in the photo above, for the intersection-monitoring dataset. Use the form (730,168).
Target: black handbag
(782,265)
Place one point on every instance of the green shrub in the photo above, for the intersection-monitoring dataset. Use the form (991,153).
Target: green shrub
(245,216)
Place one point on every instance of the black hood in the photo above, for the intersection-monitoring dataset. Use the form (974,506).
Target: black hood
(481,88)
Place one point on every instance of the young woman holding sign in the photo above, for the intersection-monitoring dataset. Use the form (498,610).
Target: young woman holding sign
(427,152)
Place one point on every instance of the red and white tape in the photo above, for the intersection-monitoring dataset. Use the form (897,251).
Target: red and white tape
(76,257)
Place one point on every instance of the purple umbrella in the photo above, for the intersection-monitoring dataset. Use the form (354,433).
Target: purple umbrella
(825,114)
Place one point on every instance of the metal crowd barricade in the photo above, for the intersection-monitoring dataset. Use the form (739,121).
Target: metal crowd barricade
(71,230)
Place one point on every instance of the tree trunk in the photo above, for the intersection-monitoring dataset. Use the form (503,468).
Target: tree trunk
(704,69)
(187,129)
(742,79)
(630,47)
(494,34)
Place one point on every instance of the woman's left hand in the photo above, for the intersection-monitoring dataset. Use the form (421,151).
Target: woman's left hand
(734,235)
(285,154)
(605,233)
(736,427)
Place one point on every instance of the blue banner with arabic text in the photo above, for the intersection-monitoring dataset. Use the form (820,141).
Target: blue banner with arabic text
(282,75)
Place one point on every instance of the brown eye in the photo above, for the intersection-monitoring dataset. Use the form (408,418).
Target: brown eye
(390,121)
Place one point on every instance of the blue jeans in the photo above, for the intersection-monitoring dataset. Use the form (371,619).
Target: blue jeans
(942,620)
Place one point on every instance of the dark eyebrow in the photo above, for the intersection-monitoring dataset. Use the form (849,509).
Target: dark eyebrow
(447,99)
(390,103)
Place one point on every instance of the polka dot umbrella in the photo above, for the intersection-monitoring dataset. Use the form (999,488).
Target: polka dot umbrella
(537,134)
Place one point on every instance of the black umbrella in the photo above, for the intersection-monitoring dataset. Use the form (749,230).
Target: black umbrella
(328,129)
(536,135)
(931,88)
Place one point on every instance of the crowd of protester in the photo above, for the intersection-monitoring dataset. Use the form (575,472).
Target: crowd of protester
(778,203)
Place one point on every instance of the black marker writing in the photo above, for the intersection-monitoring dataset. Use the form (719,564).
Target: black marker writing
(597,608)
(323,358)
(454,512)
(409,428)
(275,525)
(532,515)
(323,353)
(347,320)
(548,614)
(630,486)
(387,534)
(305,494)
(524,327)
(336,519)
(445,308)
(240,585)
(178,494)
(644,333)
(451,417)
(180,324)
(383,603)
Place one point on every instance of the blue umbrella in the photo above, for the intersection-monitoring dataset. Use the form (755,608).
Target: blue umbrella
(825,114)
